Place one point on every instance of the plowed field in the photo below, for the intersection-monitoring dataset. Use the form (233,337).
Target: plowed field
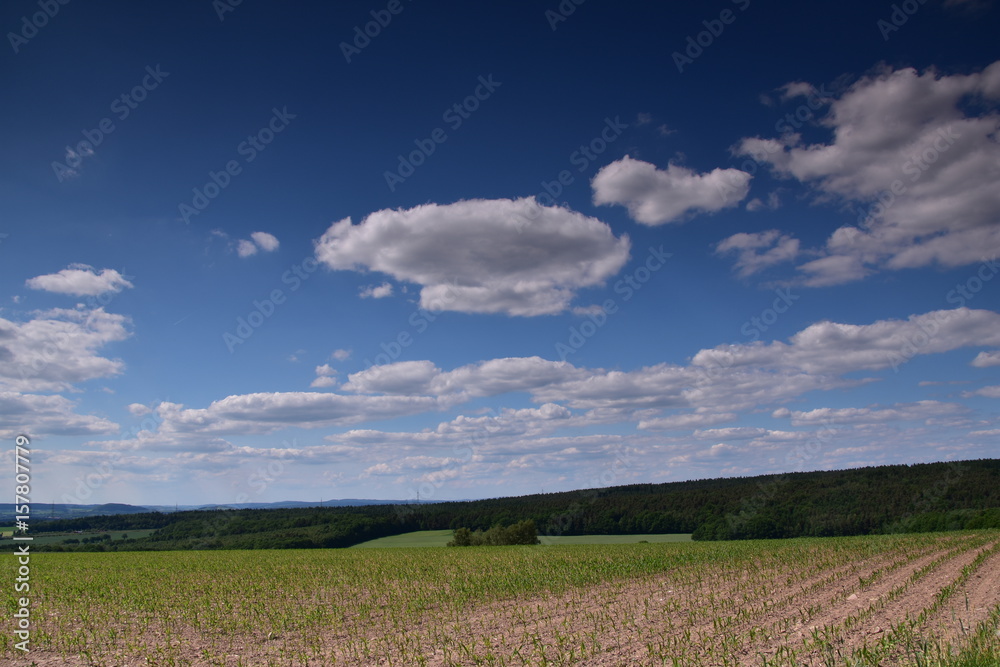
(893,600)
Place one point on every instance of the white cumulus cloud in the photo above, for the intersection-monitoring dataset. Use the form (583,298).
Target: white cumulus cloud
(246,248)
(46,415)
(269,412)
(266,242)
(324,376)
(833,347)
(655,196)
(59,348)
(259,241)
(80,280)
(986,359)
(376,291)
(481,256)
(915,157)
(919,411)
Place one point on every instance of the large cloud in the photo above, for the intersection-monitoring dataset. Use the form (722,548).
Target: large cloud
(919,411)
(38,415)
(832,347)
(485,378)
(80,280)
(610,395)
(654,196)
(58,348)
(717,382)
(714,388)
(481,256)
(916,158)
(270,412)
(52,352)
(636,394)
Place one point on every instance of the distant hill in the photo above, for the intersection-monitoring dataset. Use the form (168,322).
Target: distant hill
(883,499)
(40,511)
(47,511)
(283,504)
(118,508)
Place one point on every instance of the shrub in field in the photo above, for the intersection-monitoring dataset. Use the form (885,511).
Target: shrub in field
(462,538)
(523,532)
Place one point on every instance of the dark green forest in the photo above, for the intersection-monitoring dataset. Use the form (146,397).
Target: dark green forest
(884,499)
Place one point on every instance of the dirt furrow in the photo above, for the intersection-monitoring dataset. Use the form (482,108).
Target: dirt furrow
(646,607)
(789,618)
(883,614)
(969,606)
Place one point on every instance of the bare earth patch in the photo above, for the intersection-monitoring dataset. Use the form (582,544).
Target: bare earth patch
(734,613)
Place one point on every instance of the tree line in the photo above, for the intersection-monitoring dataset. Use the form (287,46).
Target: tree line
(883,499)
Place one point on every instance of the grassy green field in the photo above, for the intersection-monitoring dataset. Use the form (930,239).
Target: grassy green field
(615,539)
(865,601)
(420,538)
(440,538)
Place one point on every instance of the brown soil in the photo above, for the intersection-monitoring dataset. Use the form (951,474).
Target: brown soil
(731,616)
(969,605)
(874,611)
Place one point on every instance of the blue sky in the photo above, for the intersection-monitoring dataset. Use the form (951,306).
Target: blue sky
(264,252)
